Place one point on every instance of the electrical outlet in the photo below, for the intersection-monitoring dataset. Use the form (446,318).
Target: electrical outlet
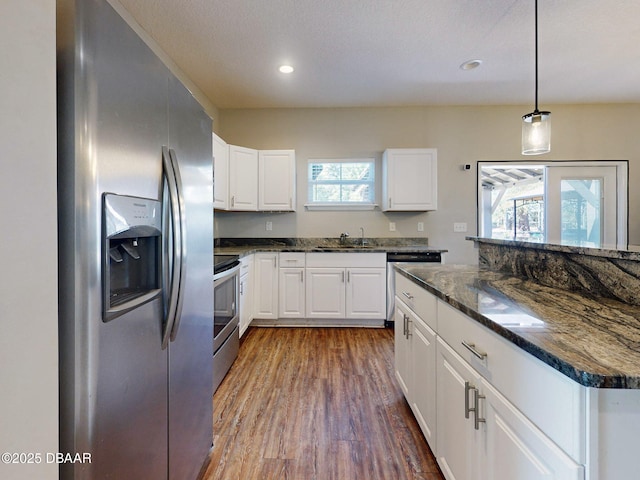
(460,227)
(392,226)
(268,226)
(421,226)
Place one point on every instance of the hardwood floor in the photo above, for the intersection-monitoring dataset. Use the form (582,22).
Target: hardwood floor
(316,403)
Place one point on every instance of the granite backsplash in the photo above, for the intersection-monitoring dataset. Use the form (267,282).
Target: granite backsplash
(596,272)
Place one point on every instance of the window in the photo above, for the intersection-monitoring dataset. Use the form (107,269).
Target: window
(348,183)
(579,203)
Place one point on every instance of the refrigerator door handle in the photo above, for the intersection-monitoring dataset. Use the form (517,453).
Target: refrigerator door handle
(183,243)
(174,279)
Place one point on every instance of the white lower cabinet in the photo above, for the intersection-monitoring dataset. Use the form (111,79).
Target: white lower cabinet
(458,442)
(291,285)
(346,286)
(326,294)
(265,304)
(515,448)
(415,367)
(246,293)
(366,293)
(482,433)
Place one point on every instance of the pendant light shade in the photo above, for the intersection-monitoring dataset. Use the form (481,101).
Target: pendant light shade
(536,133)
(536,126)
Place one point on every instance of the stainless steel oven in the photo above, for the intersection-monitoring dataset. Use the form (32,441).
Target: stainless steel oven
(226,338)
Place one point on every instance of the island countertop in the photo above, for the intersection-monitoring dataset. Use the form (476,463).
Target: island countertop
(594,341)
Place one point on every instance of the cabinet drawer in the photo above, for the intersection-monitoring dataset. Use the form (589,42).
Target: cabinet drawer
(553,402)
(246,264)
(417,299)
(292,259)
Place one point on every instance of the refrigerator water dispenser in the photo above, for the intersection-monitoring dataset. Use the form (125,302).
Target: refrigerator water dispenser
(131,253)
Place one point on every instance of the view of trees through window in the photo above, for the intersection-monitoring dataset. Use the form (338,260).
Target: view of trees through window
(517,209)
(342,182)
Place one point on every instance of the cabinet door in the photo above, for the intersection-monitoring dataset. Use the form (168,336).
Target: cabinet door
(402,350)
(220,173)
(292,293)
(277,180)
(325,292)
(244,304)
(243,178)
(366,293)
(423,378)
(266,286)
(246,292)
(458,442)
(409,179)
(515,448)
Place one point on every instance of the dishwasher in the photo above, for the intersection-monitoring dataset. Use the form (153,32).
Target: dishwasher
(403,257)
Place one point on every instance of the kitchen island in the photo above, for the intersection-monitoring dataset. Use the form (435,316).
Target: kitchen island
(534,380)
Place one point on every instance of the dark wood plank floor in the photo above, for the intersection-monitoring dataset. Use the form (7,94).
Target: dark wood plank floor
(316,403)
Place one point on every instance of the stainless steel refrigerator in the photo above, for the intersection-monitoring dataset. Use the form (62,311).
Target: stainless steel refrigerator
(136,255)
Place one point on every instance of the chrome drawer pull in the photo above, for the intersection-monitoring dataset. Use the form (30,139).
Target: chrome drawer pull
(476,409)
(408,295)
(472,348)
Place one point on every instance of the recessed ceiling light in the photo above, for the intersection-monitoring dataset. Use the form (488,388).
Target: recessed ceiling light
(285,69)
(470,64)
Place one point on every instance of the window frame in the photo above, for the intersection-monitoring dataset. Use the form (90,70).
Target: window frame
(341,205)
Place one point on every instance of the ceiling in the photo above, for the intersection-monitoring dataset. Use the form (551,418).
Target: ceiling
(349,53)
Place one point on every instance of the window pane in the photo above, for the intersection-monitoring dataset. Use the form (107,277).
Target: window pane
(581,212)
(342,182)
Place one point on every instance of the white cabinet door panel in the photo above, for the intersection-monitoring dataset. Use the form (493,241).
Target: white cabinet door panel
(292,293)
(366,293)
(325,292)
(458,442)
(516,448)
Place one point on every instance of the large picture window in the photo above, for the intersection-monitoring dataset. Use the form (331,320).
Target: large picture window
(341,183)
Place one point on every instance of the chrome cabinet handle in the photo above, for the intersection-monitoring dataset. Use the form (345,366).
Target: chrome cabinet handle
(467,408)
(472,348)
(409,333)
(408,295)
(233,200)
(301,276)
(476,409)
(348,276)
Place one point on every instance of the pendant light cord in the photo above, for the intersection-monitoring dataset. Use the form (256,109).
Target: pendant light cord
(536,17)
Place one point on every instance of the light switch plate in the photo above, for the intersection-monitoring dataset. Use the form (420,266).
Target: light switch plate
(421,226)
(268,226)
(392,226)
(460,227)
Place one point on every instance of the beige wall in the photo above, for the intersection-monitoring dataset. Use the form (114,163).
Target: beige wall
(28,282)
(461,135)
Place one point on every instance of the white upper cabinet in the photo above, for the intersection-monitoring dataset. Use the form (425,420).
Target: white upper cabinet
(220,173)
(277,180)
(243,178)
(409,179)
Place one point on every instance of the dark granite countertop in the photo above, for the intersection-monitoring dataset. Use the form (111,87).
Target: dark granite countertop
(594,341)
(244,247)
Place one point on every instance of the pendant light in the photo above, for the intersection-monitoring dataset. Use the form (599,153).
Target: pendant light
(536,126)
